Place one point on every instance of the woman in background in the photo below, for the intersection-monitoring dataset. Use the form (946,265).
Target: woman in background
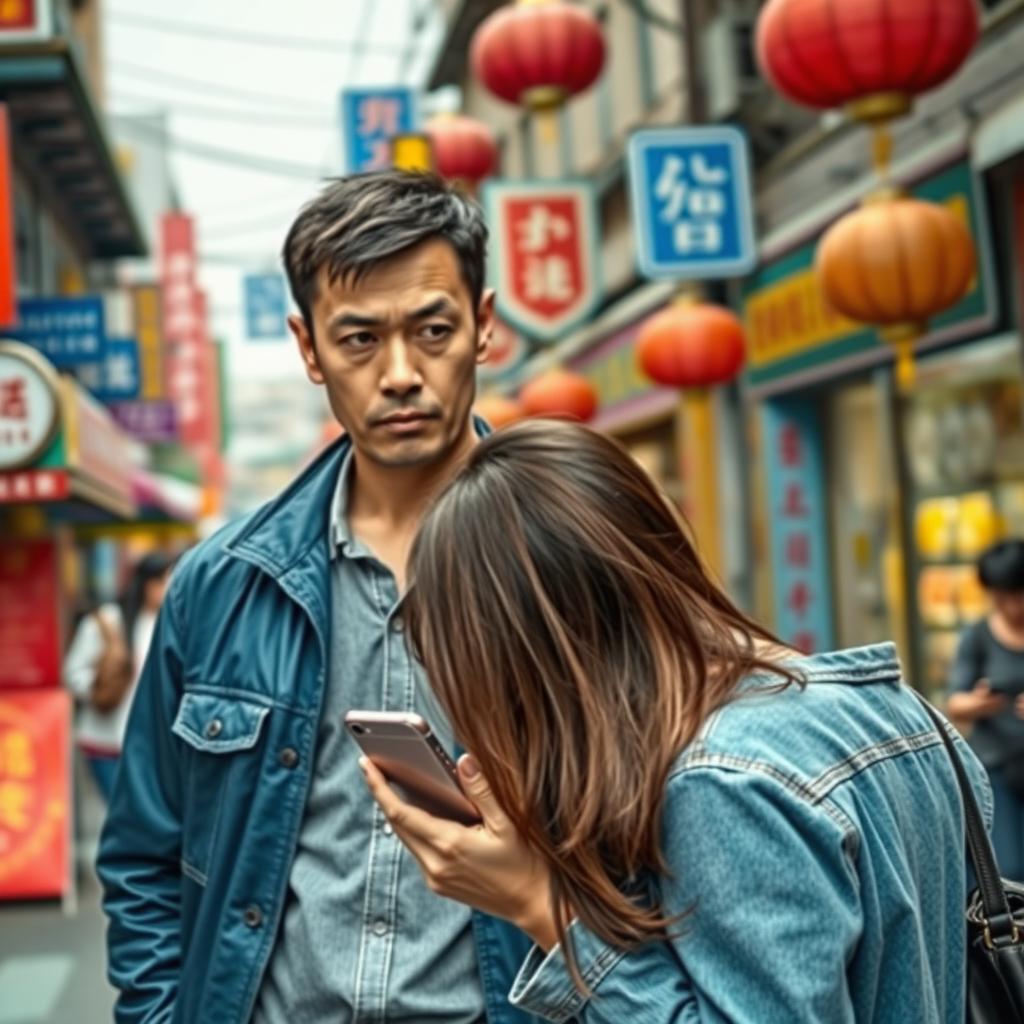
(113,633)
(987,691)
(692,822)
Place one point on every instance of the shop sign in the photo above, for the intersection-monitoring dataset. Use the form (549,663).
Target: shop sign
(792,330)
(692,206)
(117,377)
(149,333)
(149,422)
(266,308)
(508,351)
(69,331)
(35,795)
(370,119)
(797,512)
(23,21)
(8,267)
(545,252)
(29,405)
(97,447)
(31,485)
(30,601)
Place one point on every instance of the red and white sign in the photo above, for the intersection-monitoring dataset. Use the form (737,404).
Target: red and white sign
(35,794)
(34,485)
(545,254)
(24,21)
(30,601)
(29,405)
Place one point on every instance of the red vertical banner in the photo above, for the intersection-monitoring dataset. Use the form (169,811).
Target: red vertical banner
(35,794)
(30,634)
(8,267)
(545,254)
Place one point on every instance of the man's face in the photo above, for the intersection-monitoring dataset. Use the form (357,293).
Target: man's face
(397,352)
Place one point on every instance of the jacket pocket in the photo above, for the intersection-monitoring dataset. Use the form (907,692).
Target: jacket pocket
(218,730)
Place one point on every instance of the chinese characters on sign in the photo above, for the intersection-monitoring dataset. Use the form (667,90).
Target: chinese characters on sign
(370,118)
(35,797)
(690,190)
(116,378)
(149,422)
(544,256)
(797,521)
(29,405)
(68,331)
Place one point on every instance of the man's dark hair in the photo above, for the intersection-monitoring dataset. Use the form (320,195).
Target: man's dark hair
(359,221)
(1002,567)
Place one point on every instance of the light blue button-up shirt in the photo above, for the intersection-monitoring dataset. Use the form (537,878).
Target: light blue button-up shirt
(363,939)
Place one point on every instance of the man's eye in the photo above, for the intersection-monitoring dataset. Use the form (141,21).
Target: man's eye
(361,339)
(436,332)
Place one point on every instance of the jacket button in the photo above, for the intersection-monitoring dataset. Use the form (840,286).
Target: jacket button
(253,916)
(289,757)
(397,624)
(213,728)
(380,927)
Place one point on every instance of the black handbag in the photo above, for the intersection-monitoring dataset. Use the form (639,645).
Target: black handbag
(995,915)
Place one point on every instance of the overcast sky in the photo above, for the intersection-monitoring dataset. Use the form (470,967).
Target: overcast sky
(242,213)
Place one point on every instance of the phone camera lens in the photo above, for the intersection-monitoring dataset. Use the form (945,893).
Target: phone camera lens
(359,730)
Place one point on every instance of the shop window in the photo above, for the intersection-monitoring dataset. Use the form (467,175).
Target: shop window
(963,439)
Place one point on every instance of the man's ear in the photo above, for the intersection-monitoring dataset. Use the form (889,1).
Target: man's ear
(307,347)
(485,326)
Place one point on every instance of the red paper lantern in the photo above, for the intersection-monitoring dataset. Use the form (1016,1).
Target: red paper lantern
(498,410)
(560,394)
(464,149)
(691,345)
(538,53)
(873,54)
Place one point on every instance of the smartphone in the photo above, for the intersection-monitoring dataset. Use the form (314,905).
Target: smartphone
(412,759)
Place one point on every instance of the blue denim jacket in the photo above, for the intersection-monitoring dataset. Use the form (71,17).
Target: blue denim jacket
(815,841)
(203,824)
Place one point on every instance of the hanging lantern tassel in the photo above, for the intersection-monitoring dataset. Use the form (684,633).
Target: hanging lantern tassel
(903,338)
(881,148)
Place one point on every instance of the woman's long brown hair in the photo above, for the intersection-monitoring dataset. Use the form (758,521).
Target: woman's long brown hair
(577,644)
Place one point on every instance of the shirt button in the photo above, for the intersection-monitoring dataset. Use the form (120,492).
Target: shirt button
(387,829)
(289,757)
(214,728)
(397,624)
(253,916)
(380,927)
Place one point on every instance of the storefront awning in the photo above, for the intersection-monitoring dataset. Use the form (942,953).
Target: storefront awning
(62,147)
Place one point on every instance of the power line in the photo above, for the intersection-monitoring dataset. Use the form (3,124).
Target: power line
(227,34)
(225,113)
(236,158)
(205,86)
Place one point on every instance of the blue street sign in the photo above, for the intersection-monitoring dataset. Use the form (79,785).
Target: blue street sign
(370,118)
(691,202)
(70,331)
(118,377)
(266,308)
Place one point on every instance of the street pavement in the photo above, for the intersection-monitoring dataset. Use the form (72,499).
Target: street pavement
(53,964)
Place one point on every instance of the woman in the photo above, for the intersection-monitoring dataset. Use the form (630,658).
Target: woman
(987,684)
(100,733)
(691,822)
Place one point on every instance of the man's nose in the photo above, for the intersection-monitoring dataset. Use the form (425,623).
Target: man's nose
(401,375)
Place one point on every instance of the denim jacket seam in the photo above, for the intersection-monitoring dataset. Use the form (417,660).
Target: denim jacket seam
(864,758)
(247,696)
(602,963)
(193,873)
(798,787)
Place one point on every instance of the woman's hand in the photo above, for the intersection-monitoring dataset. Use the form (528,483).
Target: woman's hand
(978,703)
(488,866)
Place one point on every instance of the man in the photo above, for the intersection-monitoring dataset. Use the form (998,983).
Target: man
(249,876)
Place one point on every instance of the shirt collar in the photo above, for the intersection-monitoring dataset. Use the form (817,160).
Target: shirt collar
(342,541)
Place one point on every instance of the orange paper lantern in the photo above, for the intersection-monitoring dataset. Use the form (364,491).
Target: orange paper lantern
(896,262)
(498,411)
(691,344)
(560,394)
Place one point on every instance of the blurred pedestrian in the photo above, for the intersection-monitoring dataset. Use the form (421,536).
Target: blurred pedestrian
(102,666)
(249,876)
(987,691)
(726,830)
